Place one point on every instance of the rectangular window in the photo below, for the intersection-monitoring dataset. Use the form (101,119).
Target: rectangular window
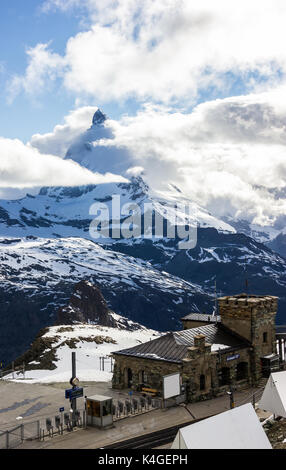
(264,337)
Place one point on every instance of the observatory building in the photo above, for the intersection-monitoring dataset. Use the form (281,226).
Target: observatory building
(235,348)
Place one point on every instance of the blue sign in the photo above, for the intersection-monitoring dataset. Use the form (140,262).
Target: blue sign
(231,358)
(61,409)
(68,392)
(72,393)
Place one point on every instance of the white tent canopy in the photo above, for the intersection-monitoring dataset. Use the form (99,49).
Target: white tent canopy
(238,428)
(274,395)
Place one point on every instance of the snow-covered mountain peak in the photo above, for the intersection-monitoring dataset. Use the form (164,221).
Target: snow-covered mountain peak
(99,118)
(94,149)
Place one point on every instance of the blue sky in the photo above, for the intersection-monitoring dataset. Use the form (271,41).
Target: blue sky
(23,25)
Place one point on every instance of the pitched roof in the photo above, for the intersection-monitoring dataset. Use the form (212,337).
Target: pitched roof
(173,346)
(204,317)
(238,428)
(274,394)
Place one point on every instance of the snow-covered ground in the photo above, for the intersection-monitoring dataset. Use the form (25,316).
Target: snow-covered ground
(87,353)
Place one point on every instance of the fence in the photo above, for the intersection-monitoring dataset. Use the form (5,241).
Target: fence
(64,423)
(12,438)
(253,398)
(106,363)
(14,372)
(41,429)
(134,406)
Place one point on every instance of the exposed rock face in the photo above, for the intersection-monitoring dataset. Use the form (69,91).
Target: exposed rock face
(86,305)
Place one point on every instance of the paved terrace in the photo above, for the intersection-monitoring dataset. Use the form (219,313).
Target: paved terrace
(36,401)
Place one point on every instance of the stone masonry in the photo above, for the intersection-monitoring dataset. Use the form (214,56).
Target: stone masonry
(208,371)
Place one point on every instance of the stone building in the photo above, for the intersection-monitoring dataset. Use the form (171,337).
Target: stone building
(236,349)
(192,320)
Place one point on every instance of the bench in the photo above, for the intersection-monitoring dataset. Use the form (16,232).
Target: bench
(149,391)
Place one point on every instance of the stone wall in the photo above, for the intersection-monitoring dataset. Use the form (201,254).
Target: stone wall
(252,317)
(206,373)
(154,371)
(200,371)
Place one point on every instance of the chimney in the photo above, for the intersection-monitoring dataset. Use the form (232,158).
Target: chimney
(200,341)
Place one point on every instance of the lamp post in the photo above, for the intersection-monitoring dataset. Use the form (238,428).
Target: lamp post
(231,398)
(74,382)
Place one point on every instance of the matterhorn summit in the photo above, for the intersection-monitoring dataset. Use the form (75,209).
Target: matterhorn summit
(99,118)
(96,149)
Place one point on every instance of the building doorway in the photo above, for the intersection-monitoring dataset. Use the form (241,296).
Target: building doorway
(242,371)
(202,382)
(129,378)
(224,376)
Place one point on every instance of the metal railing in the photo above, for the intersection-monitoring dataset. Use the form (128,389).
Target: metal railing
(14,373)
(134,406)
(60,424)
(252,398)
(12,438)
(41,429)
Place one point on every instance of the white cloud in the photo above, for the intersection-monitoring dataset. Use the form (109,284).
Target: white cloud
(65,5)
(226,154)
(58,141)
(135,171)
(22,166)
(167,51)
(44,66)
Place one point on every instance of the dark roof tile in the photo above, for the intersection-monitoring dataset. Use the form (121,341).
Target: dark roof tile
(172,347)
(202,317)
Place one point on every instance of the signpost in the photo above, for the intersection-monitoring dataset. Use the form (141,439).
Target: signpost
(61,410)
(75,392)
(232,358)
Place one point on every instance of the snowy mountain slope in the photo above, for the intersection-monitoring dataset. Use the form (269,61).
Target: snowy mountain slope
(48,360)
(232,259)
(150,281)
(278,243)
(37,276)
(65,211)
(91,150)
(272,236)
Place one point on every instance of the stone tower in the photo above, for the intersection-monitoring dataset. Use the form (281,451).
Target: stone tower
(253,318)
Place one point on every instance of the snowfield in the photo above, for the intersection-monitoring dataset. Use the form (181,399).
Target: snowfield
(88,353)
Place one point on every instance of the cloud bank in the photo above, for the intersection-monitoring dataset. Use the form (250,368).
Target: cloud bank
(227,154)
(23,166)
(58,141)
(165,50)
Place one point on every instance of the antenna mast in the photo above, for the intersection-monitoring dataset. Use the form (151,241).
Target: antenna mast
(246,280)
(215,301)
